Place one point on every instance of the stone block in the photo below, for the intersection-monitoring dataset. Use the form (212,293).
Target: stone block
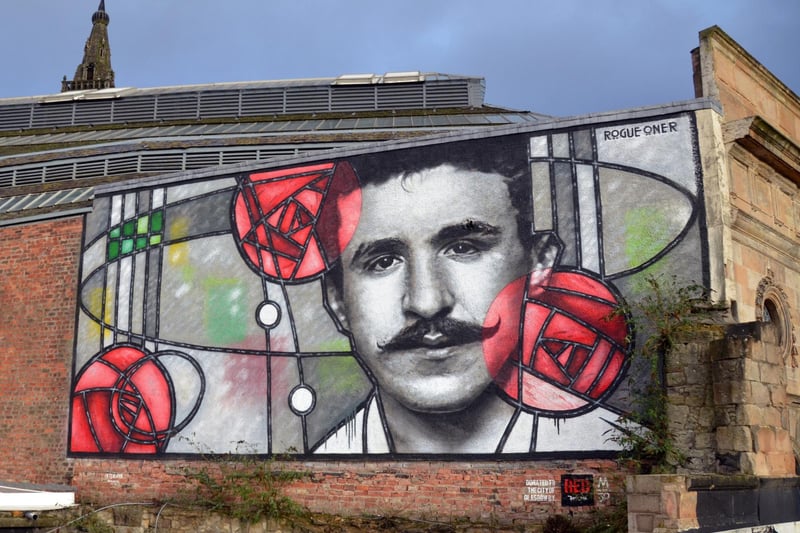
(679,415)
(773,374)
(687,505)
(748,415)
(759,394)
(753,463)
(675,379)
(728,369)
(783,440)
(703,441)
(644,503)
(780,464)
(644,522)
(751,370)
(778,396)
(763,439)
(698,397)
(729,392)
(734,438)
(670,502)
(697,375)
(727,415)
(644,484)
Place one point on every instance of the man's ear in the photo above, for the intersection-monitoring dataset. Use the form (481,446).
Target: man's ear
(545,250)
(335,304)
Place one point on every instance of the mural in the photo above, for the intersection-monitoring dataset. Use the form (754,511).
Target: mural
(443,299)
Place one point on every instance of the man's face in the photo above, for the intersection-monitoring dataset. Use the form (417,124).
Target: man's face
(429,255)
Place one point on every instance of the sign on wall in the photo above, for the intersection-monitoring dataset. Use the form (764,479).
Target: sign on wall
(441,299)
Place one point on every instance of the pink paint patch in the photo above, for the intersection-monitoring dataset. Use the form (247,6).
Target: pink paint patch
(573,348)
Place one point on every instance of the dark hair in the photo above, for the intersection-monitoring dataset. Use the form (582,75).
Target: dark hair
(506,156)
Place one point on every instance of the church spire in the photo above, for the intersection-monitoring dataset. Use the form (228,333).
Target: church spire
(95,70)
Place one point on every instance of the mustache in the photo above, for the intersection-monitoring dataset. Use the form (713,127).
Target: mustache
(438,333)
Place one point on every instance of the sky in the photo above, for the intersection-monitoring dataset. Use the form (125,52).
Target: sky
(561,58)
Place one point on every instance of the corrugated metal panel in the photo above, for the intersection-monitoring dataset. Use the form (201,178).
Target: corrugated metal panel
(446,95)
(307,99)
(401,96)
(134,109)
(353,98)
(177,106)
(50,115)
(15,117)
(262,102)
(29,176)
(219,104)
(59,172)
(161,162)
(202,159)
(239,156)
(90,169)
(123,165)
(64,198)
(6,178)
(93,112)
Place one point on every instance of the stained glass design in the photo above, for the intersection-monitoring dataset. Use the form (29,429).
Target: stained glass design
(208,315)
(135,235)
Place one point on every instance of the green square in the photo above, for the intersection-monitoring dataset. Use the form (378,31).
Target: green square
(113,250)
(127,246)
(141,225)
(155,239)
(141,242)
(128,228)
(114,233)
(157,221)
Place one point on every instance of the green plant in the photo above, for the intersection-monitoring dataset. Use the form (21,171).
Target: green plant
(666,308)
(246,487)
(559,524)
(610,519)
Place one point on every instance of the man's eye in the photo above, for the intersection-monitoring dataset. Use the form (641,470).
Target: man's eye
(461,248)
(382,263)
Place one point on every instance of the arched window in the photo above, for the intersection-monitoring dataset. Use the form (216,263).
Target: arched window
(772,308)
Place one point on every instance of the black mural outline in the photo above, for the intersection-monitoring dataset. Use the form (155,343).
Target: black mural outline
(270,283)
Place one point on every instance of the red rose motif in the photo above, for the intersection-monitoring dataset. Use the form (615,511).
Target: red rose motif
(561,347)
(292,224)
(122,403)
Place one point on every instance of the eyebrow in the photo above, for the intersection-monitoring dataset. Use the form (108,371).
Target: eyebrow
(392,245)
(378,247)
(468,228)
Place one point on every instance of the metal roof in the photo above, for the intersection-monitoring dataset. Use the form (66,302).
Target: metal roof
(74,140)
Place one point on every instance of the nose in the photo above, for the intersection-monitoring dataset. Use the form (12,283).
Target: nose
(427,291)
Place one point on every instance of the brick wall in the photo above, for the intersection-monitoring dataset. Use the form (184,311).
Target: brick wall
(38,273)
(421,489)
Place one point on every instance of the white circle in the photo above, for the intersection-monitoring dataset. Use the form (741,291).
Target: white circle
(302,399)
(269,314)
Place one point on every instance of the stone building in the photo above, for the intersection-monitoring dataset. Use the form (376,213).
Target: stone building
(125,225)
(95,70)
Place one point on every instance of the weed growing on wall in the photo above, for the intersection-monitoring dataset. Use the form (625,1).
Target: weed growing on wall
(666,308)
(246,487)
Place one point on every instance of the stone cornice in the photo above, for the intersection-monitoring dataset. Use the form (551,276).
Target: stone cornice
(766,143)
(757,230)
